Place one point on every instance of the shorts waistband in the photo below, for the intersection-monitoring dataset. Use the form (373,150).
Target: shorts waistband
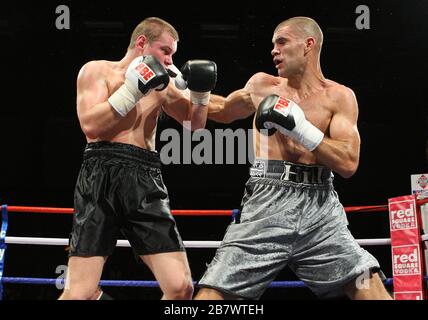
(289,171)
(123,151)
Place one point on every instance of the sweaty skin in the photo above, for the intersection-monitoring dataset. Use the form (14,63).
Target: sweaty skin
(329,106)
(96,82)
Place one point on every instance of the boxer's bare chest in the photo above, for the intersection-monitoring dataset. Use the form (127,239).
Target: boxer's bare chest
(317,105)
(139,126)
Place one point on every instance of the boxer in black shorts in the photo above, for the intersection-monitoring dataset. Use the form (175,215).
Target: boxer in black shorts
(120,186)
(134,201)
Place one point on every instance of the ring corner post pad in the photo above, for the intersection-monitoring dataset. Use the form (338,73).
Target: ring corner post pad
(406,245)
(3,230)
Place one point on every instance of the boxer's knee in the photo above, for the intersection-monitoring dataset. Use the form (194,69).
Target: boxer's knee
(179,289)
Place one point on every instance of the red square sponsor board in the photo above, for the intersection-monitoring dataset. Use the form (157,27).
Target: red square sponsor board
(407,265)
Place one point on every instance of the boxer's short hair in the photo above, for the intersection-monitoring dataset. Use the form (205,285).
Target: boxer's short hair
(152,28)
(306,27)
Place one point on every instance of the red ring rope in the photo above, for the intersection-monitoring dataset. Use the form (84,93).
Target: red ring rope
(191,212)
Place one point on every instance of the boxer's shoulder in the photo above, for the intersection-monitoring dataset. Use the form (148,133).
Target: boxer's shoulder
(101,70)
(262,84)
(264,79)
(336,89)
(100,67)
(335,97)
(339,94)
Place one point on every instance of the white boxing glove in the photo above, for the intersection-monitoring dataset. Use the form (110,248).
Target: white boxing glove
(144,74)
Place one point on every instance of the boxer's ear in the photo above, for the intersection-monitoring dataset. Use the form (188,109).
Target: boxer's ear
(141,42)
(309,44)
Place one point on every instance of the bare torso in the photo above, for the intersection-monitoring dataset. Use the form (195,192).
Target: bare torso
(139,126)
(318,106)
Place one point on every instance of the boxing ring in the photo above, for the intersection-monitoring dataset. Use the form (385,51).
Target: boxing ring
(38,241)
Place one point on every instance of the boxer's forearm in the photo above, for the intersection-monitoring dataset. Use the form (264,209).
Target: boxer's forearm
(237,105)
(99,120)
(340,156)
(198,117)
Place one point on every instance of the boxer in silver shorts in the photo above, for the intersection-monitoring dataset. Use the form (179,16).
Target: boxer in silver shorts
(305,128)
(290,215)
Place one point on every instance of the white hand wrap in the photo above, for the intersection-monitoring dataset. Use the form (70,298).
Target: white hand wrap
(304,132)
(200,98)
(125,98)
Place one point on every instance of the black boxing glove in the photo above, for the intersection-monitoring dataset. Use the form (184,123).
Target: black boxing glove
(144,74)
(263,115)
(200,76)
(275,112)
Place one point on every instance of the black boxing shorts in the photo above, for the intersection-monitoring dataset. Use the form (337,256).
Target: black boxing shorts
(120,190)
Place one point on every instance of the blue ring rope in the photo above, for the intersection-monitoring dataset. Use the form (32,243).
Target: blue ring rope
(150,284)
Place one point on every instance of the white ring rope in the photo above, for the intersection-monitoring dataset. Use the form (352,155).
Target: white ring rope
(187,244)
(120,243)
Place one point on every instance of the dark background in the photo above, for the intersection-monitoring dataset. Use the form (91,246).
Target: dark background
(42,142)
